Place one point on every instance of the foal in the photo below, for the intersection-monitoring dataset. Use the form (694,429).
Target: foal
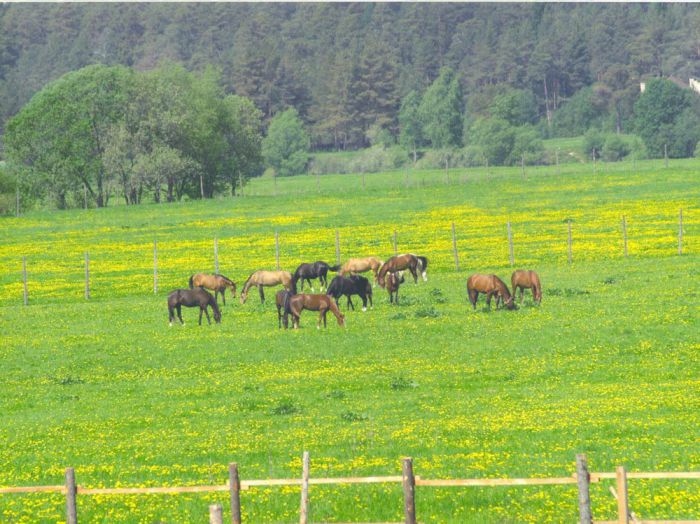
(393,281)
(320,303)
(192,298)
(282,301)
(525,279)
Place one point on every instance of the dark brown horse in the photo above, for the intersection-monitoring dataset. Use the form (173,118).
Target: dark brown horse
(217,283)
(282,301)
(197,297)
(393,281)
(354,285)
(317,270)
(399,263)
(490,285)
(525,279)
(320,303)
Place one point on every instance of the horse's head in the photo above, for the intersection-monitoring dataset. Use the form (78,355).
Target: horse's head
(341,320)
(244,296)
(217,316)
(232,286)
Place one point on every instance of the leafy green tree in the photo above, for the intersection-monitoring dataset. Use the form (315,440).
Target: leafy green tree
(656,112)
(441,111)
(587,108)
(495,137)
(286,146)
(410,124)
(516,106)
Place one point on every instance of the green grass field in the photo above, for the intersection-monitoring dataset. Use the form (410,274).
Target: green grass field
(608,365)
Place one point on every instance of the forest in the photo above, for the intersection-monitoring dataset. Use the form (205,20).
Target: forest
(469,83)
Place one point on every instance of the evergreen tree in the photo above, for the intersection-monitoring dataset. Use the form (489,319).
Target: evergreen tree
(441,111)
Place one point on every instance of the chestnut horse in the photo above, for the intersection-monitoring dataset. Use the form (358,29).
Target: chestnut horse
(490,285)
(393,281)
(360,265)
(217,283)
(262,278)
(192,298)
(399,263)
(282,301)
(525,279)
(320,303)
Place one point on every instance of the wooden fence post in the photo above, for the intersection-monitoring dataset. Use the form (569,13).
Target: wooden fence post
(274,182)
(24,279)
(584,496)
(557,160)
(234,484)
(680,232)
(665,156)
(337,247)
(216,255)
(510,245)
(624,234)
(363,181)
(84,196)
(454,247)
(405,179)
(409,491)
(570,251)
(87,275)
(17,202)
(240,182)
(155,266)
(622,506)
(522,165)
(216,515)
(277,249)
(447,171)
(304,512)
(396,252)
(594,163)
(71,490)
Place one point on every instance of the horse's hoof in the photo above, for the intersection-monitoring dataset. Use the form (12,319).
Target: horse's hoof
(318,327)
(171,324)
(364,309)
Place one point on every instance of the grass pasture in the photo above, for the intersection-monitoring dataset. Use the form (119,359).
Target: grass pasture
(608,365)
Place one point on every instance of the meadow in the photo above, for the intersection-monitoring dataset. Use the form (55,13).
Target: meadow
(607,366)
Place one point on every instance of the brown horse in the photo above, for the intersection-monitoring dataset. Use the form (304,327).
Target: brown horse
(525,279)
(217,283)
(490,285)
(393,281)
(282,301)
(400,263)
(192,298)
(360,265)
(262,278)
(320,303)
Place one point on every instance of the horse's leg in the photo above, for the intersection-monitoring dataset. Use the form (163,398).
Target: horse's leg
(412,269)
(488,299)
(262,294)
(206,312)
(350,304)
(171,315)
(325,312)
(311,284)
(200,316)
(279,316)
(179,314)
(223,295)
(364,301)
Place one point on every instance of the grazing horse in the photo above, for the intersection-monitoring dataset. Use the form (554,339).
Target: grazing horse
(217,283)
(524,279)
(393,281)
(360,265)
(192,298)
(262,278)
(282,300)
(320,303)
(399,263)
(490,285)
(355,285)
(317,270)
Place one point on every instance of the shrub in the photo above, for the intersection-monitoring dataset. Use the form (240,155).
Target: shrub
(615,148)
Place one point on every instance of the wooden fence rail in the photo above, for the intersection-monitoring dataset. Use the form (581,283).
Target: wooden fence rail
(407,479)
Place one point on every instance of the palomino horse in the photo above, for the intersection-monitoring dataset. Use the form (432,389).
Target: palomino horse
(490,285)
(317,270)
(525,279)
(282,301)
(192,298)
(399,263)
(217,283)
(360,265)
(393,281)
(262,278)
(355,285)
(320,303)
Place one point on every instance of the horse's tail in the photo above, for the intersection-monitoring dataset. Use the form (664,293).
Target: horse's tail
(192,282)
(334,268)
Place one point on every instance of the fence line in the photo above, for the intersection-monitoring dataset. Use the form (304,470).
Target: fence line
(394,241)
(582,477)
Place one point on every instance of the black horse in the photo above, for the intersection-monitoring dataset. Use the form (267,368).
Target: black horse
(354,285)
(192,298)
(317,270)
(282,300)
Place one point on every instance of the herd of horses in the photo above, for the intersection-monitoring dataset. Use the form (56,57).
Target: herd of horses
(388,275)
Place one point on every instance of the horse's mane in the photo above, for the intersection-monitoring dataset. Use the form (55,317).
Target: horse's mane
(248,279)
(226,279)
